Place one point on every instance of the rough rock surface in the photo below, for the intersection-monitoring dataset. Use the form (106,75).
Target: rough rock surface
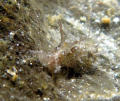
(27,25)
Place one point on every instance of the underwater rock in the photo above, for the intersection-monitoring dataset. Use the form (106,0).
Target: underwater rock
(88,55)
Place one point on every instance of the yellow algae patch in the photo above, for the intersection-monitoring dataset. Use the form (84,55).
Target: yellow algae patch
(52,19)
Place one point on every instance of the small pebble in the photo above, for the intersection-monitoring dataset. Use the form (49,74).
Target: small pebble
(116,20)
(106,20)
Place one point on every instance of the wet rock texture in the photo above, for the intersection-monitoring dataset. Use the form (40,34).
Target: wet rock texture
(33,25)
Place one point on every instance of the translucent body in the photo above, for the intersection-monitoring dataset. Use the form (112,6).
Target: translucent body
(66,54)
